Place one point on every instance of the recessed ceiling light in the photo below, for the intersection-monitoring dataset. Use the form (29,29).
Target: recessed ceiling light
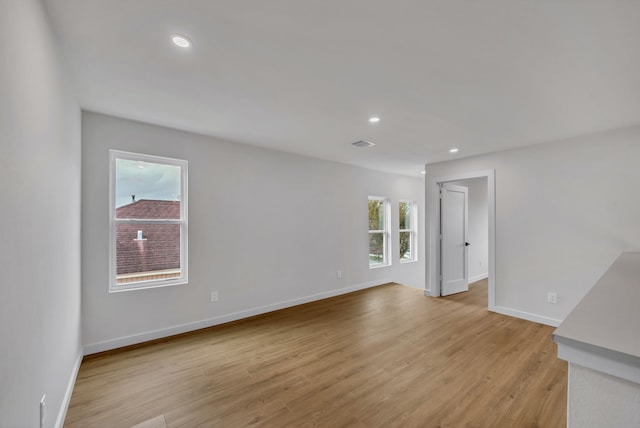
(374,119)
(453,150)
(180,41)
(363,143)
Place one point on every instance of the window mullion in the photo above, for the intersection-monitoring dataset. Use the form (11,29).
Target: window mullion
(147,221)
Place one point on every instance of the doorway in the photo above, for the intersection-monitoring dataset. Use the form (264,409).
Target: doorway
(434,264)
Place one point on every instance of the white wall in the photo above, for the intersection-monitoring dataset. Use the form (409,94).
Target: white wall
(266,229)
(40,194)
(478,233)
(564,212)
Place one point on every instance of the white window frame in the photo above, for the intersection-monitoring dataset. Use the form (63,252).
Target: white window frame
(386,235)
(413,231)
(183,279)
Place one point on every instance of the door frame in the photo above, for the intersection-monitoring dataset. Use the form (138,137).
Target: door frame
(432,189)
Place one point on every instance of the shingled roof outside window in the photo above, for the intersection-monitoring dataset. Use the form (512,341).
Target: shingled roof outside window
(159,248)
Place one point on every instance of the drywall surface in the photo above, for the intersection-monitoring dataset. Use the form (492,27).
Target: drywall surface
(564,212)
(600,400)
(40,245)
(266,229)
(478,233)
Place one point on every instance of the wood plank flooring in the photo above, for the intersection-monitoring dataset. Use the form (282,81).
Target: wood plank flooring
(382,357)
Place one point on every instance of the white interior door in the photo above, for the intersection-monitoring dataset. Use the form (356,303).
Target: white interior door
(453,245)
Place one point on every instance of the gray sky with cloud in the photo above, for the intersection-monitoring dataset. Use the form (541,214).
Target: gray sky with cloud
(146,181)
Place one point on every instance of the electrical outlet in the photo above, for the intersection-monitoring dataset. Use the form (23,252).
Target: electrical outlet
(43,402)
(214,296)
(552,297)
(339,274)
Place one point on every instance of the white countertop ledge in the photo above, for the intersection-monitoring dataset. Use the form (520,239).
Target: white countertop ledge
(603,331)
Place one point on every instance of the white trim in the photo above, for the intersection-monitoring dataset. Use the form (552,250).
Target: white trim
(66,400)
(526,316)
(379,265)
(432,196)
(146,221)
(478,277)
(145,285)
(210,322)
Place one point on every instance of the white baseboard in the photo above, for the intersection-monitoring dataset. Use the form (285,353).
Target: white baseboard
(478,277)
(210,322)
(526,316)
(62,413)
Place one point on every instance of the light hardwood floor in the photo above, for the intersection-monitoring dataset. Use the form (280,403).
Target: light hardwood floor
(386,356)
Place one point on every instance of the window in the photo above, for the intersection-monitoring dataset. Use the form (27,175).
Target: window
(148,214)
(378,232)
(407,231)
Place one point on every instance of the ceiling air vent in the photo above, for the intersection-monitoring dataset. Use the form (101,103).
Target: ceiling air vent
(363,143)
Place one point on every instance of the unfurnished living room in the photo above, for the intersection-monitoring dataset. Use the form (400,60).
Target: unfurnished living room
(298,213)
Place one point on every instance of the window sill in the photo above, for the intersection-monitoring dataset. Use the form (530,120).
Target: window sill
(142,286)
(379,266)
(403,262)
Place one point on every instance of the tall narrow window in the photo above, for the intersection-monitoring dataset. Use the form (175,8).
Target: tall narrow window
(378,232)
(407,231)
(148,213)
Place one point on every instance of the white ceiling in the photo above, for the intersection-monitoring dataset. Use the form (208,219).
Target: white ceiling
(304,76)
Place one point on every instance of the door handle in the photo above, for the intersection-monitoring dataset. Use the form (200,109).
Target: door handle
(466,244)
